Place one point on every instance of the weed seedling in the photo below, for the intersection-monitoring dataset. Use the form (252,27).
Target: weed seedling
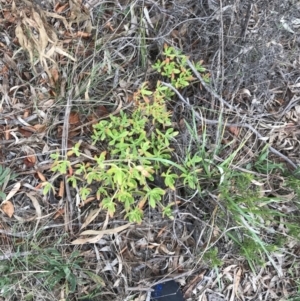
(137,148)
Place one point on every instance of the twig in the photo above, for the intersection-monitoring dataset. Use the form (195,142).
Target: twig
(17,254)
(245,125)
(24,234)
(207,88)
(19,234)
(17,121)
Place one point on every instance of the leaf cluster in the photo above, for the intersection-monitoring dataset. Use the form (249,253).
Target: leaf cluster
(174,66)
(126,169)
(137,149)
(56,269)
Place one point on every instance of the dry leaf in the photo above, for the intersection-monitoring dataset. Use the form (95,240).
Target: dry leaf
(43,37)
(101,111)
(146,13)
(59,213)
(4,71)
(120,264)
(41,176)
(9,61)
(55,74)
(20,36)
(25,132)
(193,284)
(47,104)
(24,219)
(142,203)
(60,8)
(175,34)
(165,250)
(109,26)
(62,52)
(25,44)
(82,34)
(8,208)
(245,92)
(99,234)
(92,215)
(39,128)
(234,130)
(26,113)
(15,189)
(8,16)
(74,118)
(57,16)
(30,159)
(237,280)
(184,29)
(35,203)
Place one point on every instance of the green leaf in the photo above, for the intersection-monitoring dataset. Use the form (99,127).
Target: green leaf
(189,179)
(54,156)
(73,282)
(146,92)
(84,193)
(4,174)
(47,187)
(90,177)
(108,204)
(75,149)
(152,202)
(154,195)
(101,191)
(61,166)
(73,180)
(2,195)
(170,179)
(96,278)
(167,211)
(80,169)
(126,198)
(135,215)
(197,159)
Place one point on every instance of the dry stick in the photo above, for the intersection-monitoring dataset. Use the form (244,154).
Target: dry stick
(248,126)
(64,146)
(207,88)
(17,254)
(26,235)
(17,121)
(19,234)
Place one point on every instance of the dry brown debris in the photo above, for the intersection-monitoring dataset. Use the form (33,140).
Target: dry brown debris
(49,48)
